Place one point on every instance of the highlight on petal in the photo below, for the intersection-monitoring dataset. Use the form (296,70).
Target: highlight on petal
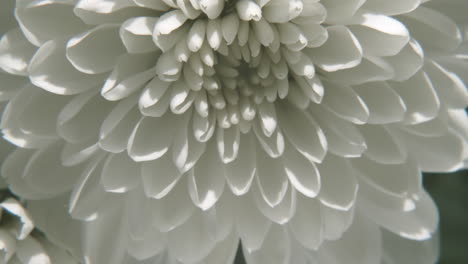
(177,131)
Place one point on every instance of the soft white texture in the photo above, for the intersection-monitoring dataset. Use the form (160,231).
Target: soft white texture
(179,128)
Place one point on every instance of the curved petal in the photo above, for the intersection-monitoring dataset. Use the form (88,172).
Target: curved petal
(385,105)
(50,70)
(15,52)
(422,102)
(339,184)
(276,248)
(120,173)
(151,138)
(271,177)
(159,176)
(241,171)
(89,53)
(41,22)
(341,50)
(206,179)
(306,225)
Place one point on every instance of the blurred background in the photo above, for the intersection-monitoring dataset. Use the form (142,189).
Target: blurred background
(450,192)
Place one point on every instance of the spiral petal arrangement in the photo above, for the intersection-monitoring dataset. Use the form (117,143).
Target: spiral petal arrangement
(179,128)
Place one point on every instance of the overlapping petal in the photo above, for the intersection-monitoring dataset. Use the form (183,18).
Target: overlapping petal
(179,128)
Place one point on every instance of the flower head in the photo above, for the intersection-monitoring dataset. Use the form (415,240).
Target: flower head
(181,127)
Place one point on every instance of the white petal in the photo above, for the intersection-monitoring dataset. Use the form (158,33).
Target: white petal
(120,173)
(150,245)
(230,27)
(390,110)
(380,35)
(408,62)
(248,10)
(41,22)
(181,97)
(214,33)
(153,92)
(196,35)
(169,22)
(206,179)
(151,138)
(192,241)
(168,67)
(15,52)
(137,210)
(401,250)
(395,8)
(272,179)
(274,145)
(159,176)
(421,100)
(360,245)
(449,86)
(414,217)
(50,70)
(240,172)
(281,213)
(303,132)
(30,250)
(228,143)
(8,245)
(82,116)
(439,154)
(341,50)
(12,171)
(335,222)
(383,146)
(251,225)
(76,153)
(370,69)
(156,5)
(164,215)
(89,53)
(130,74)
(117,127)
(344,102)
(399,179)
(263,31)
(302,172)
(343,138)
(337,10)
(212,8)
(88,196)
(267,117)
(104,238)
(306,225)
(24,223)
(186,149)
(224,251)
(276,248)
(433,29)
(45,172)
(339,184)
(136,34)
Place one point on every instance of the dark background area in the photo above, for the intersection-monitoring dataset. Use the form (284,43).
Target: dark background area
(450,192)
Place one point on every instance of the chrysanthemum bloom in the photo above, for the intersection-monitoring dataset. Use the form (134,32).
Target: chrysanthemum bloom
(181,128)
(20,243)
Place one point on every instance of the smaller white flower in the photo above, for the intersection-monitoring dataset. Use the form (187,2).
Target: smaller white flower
(20,243)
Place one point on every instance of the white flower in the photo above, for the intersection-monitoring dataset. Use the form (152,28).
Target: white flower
(180,128)
(18,244)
